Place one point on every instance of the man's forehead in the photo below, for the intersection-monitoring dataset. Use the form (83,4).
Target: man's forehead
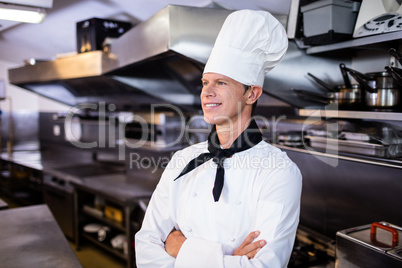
(216,76)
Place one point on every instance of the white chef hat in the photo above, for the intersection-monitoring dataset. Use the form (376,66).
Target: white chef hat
(250,43)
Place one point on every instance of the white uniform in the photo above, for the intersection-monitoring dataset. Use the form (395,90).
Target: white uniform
(261,192)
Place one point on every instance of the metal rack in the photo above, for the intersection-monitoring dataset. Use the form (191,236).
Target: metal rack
(374,115)
(364,42)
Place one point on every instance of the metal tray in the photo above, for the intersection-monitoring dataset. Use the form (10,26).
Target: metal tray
(348,146)
(357,247)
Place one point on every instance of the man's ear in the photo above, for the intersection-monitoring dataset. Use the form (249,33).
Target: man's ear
(253,94)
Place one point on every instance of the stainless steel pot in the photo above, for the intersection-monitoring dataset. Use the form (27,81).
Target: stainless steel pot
(383,98)
(387,91)
(382,90)
(383,80)
(346,95)
(343,95)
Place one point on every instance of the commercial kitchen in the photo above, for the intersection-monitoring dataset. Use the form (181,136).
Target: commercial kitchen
(97,96)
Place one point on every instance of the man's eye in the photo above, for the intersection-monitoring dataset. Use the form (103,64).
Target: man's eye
(204,83)
(221,83)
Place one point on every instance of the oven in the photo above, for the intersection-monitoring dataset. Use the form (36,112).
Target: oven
(58,194)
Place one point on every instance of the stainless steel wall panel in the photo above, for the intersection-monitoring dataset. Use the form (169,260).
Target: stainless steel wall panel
(348,194)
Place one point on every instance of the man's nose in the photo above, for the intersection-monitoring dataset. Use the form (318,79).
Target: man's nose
(208,91)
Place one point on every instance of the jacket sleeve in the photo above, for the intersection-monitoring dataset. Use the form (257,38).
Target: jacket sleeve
(276,217)
(156,226)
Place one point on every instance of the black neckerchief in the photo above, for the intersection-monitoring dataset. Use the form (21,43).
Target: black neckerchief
(247,139)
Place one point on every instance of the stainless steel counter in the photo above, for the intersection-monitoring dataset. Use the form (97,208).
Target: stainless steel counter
(3,205)
(31,159)
(45,160)
(68,164)
(30,237)
(116,187)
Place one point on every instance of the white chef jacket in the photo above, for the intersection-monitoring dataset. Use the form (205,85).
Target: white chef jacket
(261,192)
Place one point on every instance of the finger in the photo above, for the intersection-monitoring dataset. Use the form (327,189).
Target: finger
(255,246)
(252,254)
(250,238)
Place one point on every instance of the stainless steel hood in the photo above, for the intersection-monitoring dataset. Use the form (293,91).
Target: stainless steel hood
(158,61)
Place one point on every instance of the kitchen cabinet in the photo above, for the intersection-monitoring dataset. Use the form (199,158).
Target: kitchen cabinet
(107,207)
(21,183)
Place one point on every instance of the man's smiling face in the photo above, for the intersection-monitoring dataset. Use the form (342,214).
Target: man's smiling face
(223,100)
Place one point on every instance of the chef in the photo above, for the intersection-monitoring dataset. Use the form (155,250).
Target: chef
(233,200)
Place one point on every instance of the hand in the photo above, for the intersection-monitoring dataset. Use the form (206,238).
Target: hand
(248,247)
(173,242)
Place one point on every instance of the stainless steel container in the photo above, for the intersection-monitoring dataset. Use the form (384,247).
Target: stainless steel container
(386,93)
(346,95)
(372,245)
(383,98)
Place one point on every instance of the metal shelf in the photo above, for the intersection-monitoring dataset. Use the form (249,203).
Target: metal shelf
(394,116)
(356,43)
(107,221)
(83,197)
(106,247)
(391,163)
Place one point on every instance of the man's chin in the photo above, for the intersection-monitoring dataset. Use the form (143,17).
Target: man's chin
(211,120)
(219,121)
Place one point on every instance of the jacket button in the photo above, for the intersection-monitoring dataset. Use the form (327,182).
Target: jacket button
(232,240)
(194,194)
(238,202)
(189,229)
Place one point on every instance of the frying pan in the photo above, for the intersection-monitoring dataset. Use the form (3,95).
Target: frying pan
(312,96)
(327,87)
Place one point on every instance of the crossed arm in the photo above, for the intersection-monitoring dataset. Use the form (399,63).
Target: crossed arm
(248,248)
